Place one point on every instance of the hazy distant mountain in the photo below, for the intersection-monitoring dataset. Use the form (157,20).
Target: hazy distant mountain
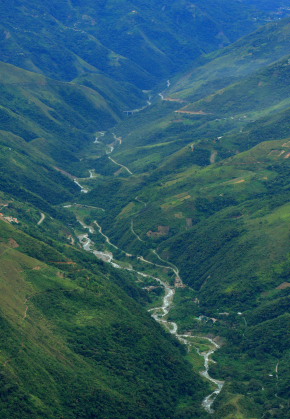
(136,42)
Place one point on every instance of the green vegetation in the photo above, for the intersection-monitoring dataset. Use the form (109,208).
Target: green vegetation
(74,344)
(194,181)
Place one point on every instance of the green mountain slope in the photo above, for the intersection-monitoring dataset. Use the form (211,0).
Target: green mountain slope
(264,91)
(75,345)
(263,47)
(237,259)
(45,112)
(278,7)
(191,187)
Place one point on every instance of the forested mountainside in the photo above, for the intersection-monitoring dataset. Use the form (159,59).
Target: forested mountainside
(144,235)
(138,42)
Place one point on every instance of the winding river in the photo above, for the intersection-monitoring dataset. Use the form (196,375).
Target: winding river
(159,313)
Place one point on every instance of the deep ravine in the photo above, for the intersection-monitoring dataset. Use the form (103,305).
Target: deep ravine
(159,313)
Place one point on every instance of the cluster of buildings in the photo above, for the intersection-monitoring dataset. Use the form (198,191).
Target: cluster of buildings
(8,218)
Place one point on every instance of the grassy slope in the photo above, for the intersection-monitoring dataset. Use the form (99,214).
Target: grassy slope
(265,90)
(75,345)
(268,4)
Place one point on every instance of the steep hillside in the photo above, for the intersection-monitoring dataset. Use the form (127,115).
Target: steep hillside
(236,258)
(59,119)
(249,54)
(75,345)
(265,91)
(207,106)
(71,349)
(116,200)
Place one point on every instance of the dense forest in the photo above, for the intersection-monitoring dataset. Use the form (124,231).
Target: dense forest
(144,209)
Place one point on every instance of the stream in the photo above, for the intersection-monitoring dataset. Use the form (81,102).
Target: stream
(158,313)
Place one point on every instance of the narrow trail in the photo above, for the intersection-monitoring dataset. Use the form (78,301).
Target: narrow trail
(121,165)
(141,202)
(156,264)
(92,173)
(117,139)
(134,232)
(168,84)
(106,237)
(101,134)
(160,313)
(26,310)
(110,149)
(213,156)
(42,218)
(174,267)
(137,110)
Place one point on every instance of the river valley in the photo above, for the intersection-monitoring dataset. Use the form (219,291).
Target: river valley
(160,312)
(204,346)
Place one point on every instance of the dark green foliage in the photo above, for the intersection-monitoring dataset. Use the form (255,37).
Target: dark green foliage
(94,351)
(77,340)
